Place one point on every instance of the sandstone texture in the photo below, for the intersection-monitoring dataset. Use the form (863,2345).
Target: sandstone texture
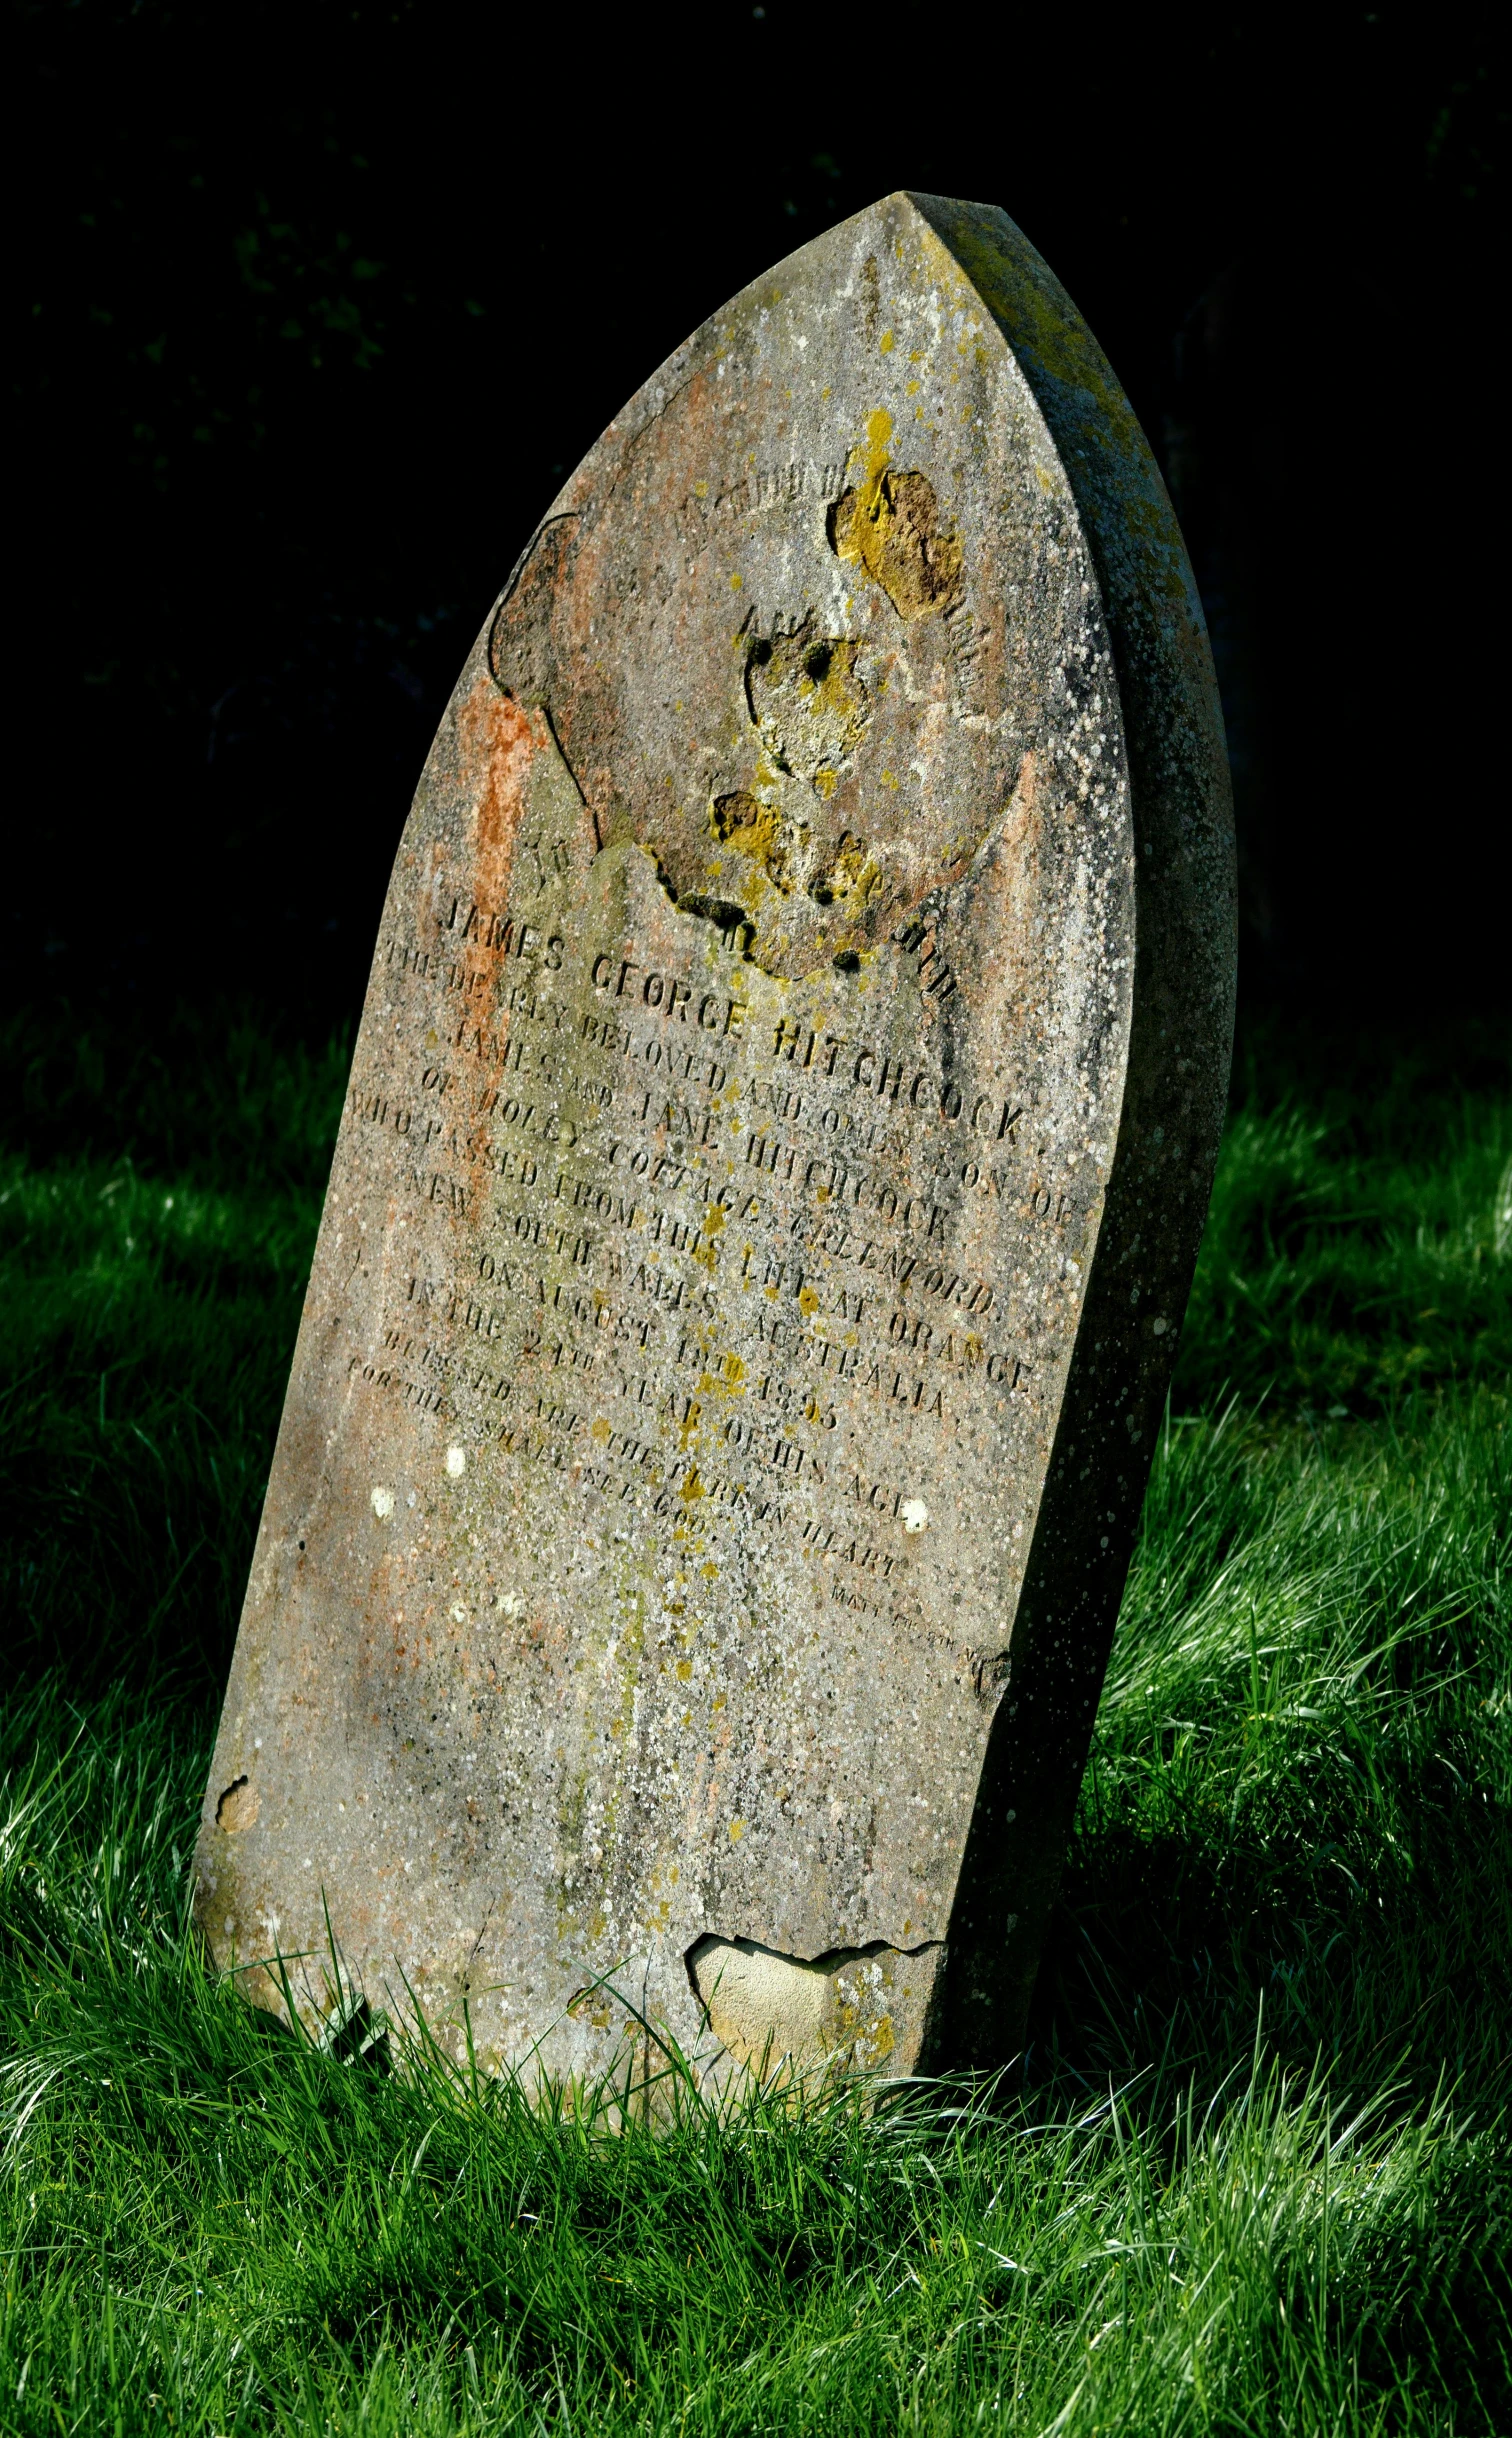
(777,1145)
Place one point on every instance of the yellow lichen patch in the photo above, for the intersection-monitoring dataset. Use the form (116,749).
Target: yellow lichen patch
(586,2008)
(891,524)
(808,1301)
(752,828)
(851,880)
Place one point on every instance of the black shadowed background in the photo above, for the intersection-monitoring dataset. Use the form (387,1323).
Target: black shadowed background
(318,306)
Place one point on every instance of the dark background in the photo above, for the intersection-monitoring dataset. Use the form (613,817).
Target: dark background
(317,306)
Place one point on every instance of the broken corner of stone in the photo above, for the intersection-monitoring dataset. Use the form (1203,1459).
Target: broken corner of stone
(764,1206)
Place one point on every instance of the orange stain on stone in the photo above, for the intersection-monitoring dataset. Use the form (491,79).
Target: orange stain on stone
(494,733)
(497,740)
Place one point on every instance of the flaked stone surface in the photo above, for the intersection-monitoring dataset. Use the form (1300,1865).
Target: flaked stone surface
(777,1144)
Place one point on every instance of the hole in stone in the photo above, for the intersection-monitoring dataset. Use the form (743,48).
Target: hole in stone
(727,917)
(816,663)
(847,962)
(238,1806)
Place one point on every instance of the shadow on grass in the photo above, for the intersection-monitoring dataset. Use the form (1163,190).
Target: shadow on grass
(1167,1953)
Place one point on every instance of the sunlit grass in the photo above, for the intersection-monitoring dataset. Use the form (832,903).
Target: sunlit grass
(1257,2175)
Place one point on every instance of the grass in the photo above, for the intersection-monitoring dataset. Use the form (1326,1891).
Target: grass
(1257,2175)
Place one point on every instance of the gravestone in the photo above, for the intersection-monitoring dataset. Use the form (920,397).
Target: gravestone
(777,1145)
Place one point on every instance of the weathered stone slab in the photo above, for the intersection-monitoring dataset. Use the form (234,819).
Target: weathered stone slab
(777,1146)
